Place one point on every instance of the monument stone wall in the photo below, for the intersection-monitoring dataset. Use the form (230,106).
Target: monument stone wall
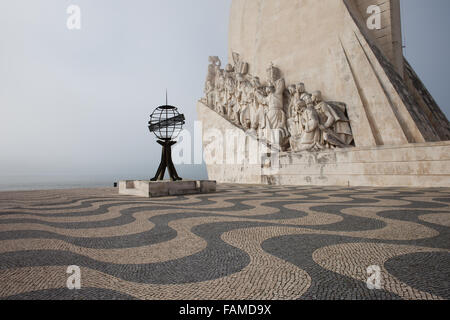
(410,165)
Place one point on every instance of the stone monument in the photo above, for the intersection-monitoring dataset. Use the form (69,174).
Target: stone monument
(328,100)
(166,124)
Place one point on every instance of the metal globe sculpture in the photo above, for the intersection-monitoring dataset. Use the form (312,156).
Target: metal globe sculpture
(166,123)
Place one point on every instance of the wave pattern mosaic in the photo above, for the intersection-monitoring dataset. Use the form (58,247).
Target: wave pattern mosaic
(244,242)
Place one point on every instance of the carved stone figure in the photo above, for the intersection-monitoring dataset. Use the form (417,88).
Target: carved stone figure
(310,136)
(246,101)
(213,69)
(288,118)
(257,115)
(300,88)
(292,114)
(230,91)
(296,109)
(335,126)
(210,94)
(234,109)
(275,116)
(289,99)
(220,93)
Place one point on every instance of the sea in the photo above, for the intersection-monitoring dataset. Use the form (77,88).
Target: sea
(51,182)
(23,183)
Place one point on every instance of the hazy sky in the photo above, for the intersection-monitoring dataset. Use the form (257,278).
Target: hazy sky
(78,102)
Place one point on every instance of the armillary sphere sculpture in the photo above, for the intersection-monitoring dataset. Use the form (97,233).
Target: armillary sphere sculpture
(166,123)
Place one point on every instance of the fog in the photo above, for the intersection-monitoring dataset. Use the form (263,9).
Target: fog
(74,104)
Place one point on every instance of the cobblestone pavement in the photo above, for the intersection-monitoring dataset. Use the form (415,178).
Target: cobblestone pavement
(243,242)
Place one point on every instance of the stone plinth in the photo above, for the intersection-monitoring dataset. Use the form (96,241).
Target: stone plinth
(412,165)
(422,165)
(152,189)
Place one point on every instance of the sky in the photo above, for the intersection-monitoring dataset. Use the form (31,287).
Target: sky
(74,104)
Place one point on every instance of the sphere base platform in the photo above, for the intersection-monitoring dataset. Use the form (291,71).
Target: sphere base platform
(165,188)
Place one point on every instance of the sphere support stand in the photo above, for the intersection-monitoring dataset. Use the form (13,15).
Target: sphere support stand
(166,162)
(166,123)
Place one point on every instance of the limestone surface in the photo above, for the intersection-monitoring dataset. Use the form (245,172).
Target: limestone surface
(327,45)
